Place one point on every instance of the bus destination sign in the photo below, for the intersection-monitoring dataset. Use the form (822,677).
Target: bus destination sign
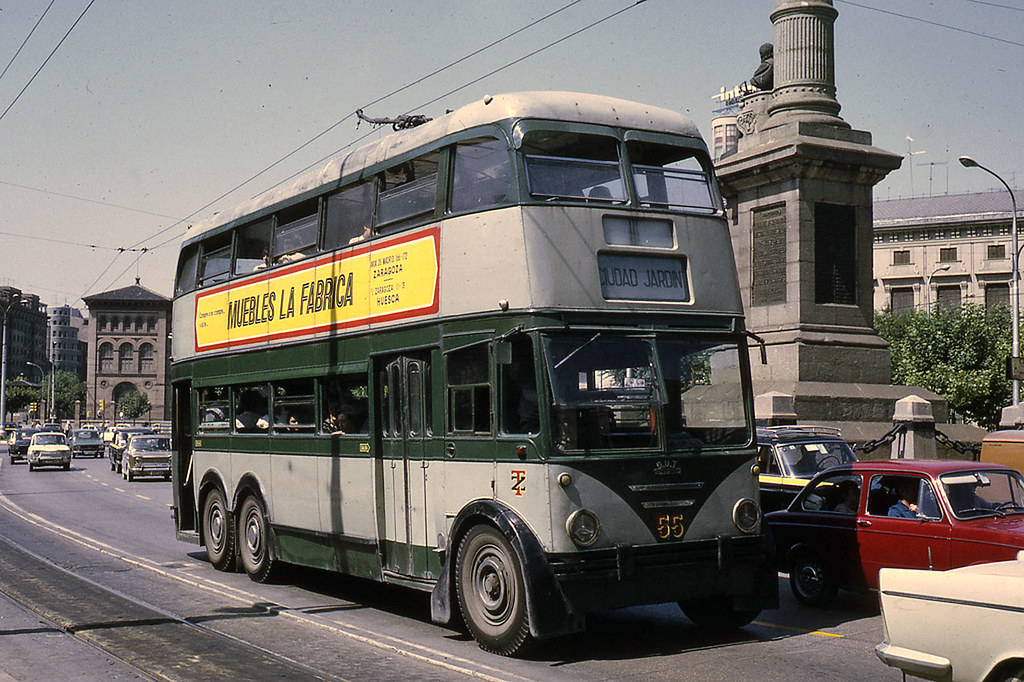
(643,278)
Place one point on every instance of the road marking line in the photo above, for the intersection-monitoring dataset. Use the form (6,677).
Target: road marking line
(793,629)
(429,655)
(143,497)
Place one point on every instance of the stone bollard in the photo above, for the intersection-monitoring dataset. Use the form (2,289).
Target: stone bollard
(1012,417)
(774,409)
(917,441)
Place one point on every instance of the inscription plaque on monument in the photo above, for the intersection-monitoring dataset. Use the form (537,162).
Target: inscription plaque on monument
(768,262)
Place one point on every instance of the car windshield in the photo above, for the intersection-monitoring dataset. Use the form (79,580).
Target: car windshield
(85,434)
(973,494)
(140,443)
(48,439)
(804,460)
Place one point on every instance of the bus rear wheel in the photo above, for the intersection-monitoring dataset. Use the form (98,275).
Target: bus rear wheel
(491,592)
(255,541)
(717,613)
(218,531)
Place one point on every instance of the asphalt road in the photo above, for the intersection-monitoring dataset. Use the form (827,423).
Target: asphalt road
(94,585)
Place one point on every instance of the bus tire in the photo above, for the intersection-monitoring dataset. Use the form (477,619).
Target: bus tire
(255,541)
(491,592)
(218,531)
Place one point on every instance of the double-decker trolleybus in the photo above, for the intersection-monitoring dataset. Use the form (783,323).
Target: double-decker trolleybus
(499,357)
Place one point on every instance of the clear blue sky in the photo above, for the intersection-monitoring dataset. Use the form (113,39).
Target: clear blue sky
(150,111)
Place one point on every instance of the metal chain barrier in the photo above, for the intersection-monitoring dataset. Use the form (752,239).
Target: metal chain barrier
(959,446)
(887,439)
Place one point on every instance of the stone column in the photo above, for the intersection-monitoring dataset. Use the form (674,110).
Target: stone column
(805,78)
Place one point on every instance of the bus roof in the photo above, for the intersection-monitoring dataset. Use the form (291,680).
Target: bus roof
(548,105)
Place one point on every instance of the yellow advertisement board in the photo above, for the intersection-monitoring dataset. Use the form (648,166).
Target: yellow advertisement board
(386,280)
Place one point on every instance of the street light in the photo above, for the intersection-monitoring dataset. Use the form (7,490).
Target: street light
(968,162)
(928,289)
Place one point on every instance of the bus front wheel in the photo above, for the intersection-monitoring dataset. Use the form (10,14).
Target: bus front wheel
(255,541)
(218,531)
(491,592)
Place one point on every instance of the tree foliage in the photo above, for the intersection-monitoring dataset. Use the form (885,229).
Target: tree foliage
(133,405)
(957,352)
(69,389)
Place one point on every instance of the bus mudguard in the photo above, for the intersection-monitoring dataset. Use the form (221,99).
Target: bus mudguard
(550,613)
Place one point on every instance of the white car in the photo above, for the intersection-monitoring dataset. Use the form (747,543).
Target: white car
(49,448)
(962,624)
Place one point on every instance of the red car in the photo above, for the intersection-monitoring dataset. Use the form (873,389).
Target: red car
(852,520)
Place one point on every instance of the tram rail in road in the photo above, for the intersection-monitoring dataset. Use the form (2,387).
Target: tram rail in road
(145,639)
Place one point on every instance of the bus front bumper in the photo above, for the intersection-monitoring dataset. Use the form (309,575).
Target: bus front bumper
(742,569)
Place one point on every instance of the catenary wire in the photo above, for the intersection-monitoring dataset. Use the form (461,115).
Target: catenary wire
(46,61)
(24,42)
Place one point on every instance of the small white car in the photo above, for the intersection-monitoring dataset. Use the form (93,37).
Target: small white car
(962,624)
(49,448)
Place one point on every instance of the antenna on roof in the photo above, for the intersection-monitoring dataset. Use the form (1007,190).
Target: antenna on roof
(397,123)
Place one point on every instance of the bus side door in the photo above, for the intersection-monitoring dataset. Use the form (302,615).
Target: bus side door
(404,442)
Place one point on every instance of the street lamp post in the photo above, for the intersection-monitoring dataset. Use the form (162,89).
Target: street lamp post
(968,162)
(928,289)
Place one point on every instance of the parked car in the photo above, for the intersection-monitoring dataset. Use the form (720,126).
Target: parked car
(18,442)
(147,455)
(49,448)
(789,456)
(117,446)
(86,443)
(1004,447)
(843,527)
(962,624)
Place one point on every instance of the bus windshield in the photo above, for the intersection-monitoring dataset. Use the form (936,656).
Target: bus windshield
(608,390)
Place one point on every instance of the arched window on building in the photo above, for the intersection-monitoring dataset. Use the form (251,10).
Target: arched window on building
(146,358)
(107,357)
(125,358)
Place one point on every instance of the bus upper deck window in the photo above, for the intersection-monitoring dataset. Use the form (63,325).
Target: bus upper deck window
(409,193)
(216,260)
(670,177)
(483,175)
(186,277)
(569,165)
(349,215)
(252,251)
(296,232)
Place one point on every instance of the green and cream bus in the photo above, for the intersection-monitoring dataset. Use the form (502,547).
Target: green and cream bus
(499,357)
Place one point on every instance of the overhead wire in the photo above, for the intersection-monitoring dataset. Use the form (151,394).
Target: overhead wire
(377,101)
(24,42)
(47,60)
(934,23)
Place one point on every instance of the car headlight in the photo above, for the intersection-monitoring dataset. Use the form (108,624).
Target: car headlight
(746,514)
(583,527)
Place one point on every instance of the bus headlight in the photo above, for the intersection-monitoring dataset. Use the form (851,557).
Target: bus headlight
(747,515)
(583,527)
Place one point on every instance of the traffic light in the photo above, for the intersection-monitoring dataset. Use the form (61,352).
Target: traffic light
(33,408)
(103,404)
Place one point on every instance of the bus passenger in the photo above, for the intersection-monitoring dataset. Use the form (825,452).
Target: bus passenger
(251,413)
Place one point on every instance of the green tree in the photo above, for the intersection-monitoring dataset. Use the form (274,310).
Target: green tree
(69,389)
(959,353)
(18,397)
(133,405)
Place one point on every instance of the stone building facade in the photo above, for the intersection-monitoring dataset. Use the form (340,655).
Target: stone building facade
(943,250)
(129,350)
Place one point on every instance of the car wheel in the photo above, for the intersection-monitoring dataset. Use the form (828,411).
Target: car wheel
(491,592)
(717,613)
(1013,675)
(218,531)
(128,475)
(811,579)
(255,541)
(67,467)
(31,466)
(112,467)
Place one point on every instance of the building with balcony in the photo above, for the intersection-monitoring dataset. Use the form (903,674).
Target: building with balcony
(129,350)
(943,250)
